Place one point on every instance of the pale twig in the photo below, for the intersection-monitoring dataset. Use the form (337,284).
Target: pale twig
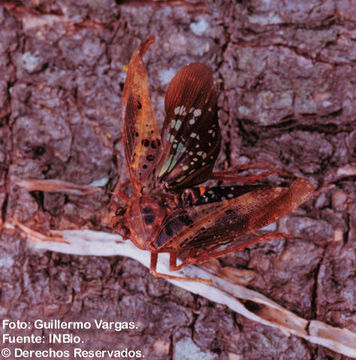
(265,311)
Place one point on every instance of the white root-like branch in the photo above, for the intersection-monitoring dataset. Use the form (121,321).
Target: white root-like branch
(57,186)
(265,311)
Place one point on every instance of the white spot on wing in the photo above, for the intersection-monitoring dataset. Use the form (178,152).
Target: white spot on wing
(181,179)
(178,124)
(182,110)
(197,112)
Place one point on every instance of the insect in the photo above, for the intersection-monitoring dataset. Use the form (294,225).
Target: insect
(168,211)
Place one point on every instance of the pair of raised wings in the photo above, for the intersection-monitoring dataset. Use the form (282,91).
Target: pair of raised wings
(183,155)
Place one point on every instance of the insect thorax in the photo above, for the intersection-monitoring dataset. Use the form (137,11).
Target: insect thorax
(144,217)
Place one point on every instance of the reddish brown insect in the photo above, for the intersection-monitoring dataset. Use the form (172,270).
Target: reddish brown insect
(167,213)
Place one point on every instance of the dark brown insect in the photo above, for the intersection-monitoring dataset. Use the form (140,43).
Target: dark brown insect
(167,212)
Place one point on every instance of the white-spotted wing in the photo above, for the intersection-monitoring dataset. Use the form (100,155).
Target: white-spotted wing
(190,135)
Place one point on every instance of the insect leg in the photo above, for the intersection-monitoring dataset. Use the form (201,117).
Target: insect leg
(230,175)
(119,193)
(118,222)
(191,196)
(172,260)
(222,175)
(153,271)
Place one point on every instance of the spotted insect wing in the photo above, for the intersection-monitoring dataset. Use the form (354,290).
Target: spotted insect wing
(205,227)
(141,135)
(191,134)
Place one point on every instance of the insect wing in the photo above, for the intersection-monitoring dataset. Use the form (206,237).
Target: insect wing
(191,135)
(207,226)
(141,136)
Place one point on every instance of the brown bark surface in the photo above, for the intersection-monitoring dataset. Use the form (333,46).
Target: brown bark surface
(286,76)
